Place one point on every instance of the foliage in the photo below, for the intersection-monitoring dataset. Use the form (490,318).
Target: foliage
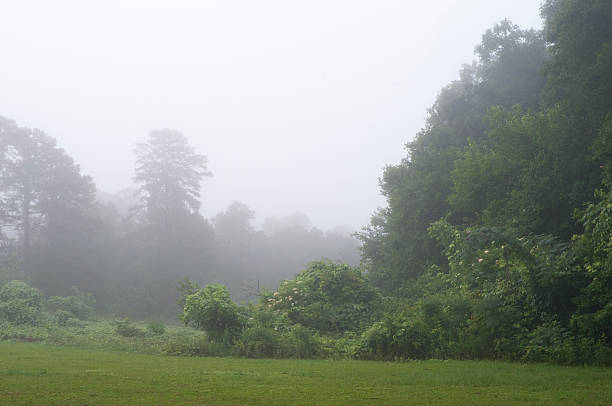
(156,327)
(270,334)
(63,318)
(124,328)
(20,303)
(594,314)
(186,287)
(260,342)
(510,150)
(80,305)
(396,246)
(212,309)
(327,297)
(195,346)
(529,174)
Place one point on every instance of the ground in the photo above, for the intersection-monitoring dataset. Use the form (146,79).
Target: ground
(41,374)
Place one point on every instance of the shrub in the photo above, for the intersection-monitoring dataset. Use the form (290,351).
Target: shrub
(328,297)
(20,303)
(306,344)
(62,318)
(259,342)
(156,328)
(213,310)
(195,347)
(79,304)
(124,328)
(397,336)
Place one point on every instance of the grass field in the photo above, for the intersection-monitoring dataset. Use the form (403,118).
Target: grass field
(39,374)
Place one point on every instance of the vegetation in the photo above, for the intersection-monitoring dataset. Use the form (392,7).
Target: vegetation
(128,251)
(20,303)
(496,242)
(212,309)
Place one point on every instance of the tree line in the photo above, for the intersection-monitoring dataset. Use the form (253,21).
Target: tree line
(131,250)
(497,234)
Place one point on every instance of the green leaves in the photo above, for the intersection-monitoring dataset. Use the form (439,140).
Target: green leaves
(20,303)
(213,310)
(326,296)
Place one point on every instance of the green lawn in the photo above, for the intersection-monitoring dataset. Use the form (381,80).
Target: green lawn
(38,374)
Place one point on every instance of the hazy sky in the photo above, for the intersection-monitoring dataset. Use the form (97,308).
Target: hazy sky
(298,105)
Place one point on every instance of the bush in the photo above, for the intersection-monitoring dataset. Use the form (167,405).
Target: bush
(328,297)
(344,347)
(124,328)
(259,342)
(306,344)
(62,318)
(213,310)
(195,347)
(156,328)
(20,303)
(397,337)
(79,304)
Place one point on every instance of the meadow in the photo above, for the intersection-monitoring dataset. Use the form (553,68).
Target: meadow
(43,374)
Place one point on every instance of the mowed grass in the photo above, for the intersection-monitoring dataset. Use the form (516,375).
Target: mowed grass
(38,374)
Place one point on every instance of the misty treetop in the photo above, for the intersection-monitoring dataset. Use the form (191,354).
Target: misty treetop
(41,188)
(169,173)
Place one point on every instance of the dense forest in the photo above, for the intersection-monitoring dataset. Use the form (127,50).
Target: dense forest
(496,241)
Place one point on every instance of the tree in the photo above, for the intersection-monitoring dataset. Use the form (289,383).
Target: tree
(234,225)
(39,183)
(396,246)
(170,174)
(529,174)
(580,36)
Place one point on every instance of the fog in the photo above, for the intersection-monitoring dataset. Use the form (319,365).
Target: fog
(297,105)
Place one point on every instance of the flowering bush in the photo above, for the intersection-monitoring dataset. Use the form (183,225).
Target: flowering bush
(327,297)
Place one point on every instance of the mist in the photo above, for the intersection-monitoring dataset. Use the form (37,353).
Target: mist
(297,105)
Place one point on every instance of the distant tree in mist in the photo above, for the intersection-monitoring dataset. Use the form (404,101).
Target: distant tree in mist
(234,225)
(169,173)
(39,184)
(168,239)
(273,225)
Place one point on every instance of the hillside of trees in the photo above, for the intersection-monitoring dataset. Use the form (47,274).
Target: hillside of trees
(496,241)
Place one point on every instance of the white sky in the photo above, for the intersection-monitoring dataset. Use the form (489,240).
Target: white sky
(298,105)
